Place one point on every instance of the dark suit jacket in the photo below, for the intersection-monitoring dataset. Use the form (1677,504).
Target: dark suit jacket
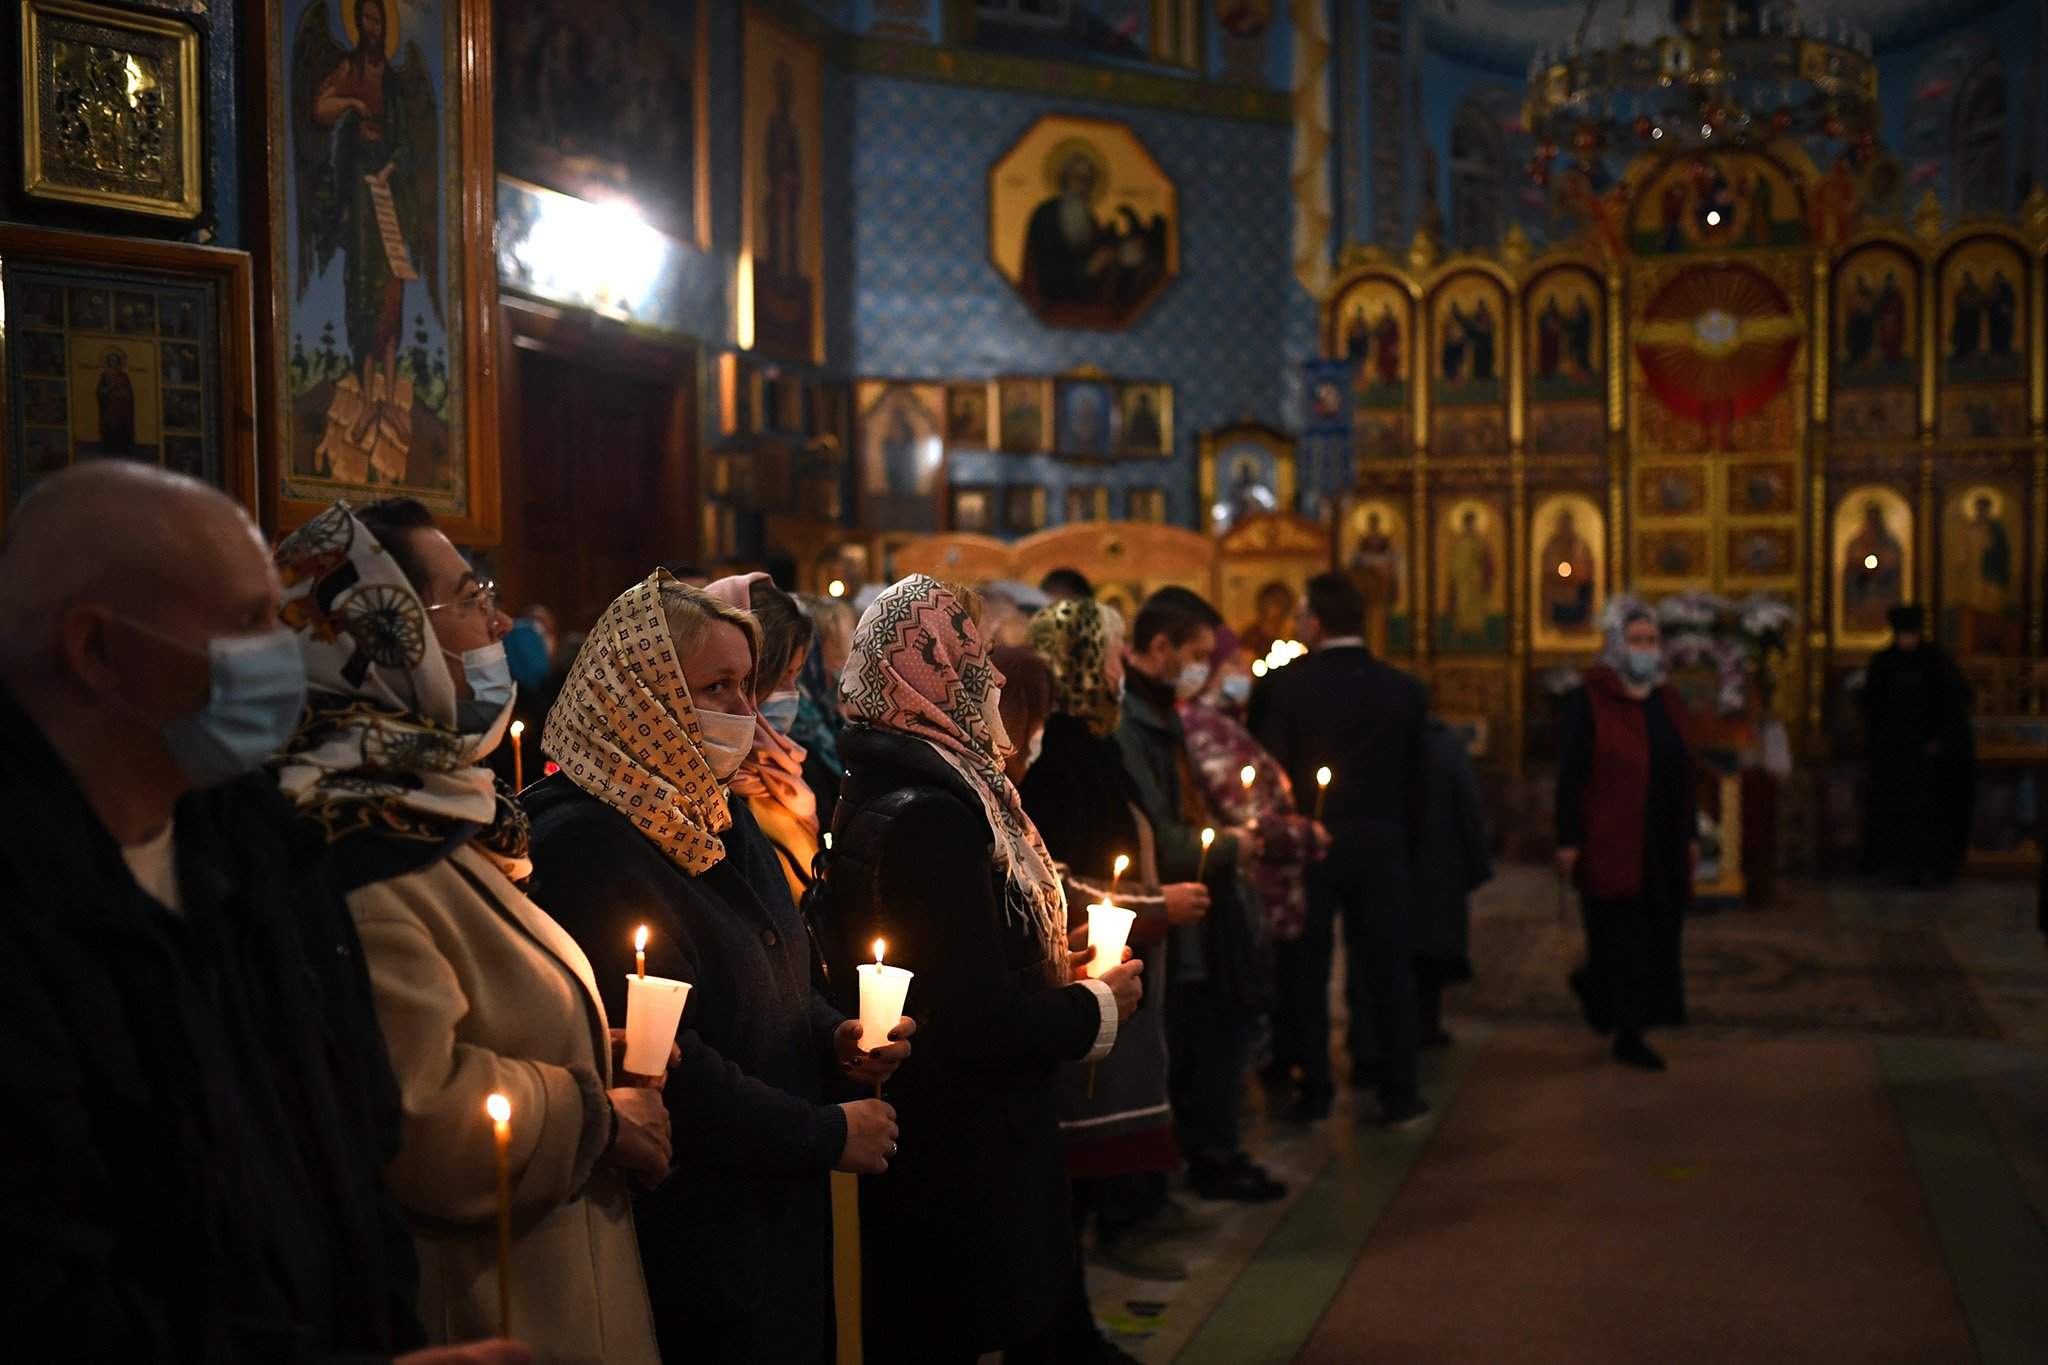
(1368,723)
(198,1107)
(736,1242)
(967,1238)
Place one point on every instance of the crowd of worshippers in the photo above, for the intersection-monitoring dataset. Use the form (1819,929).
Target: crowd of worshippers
(278,929)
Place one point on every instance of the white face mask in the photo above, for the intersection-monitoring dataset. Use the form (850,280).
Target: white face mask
(779,709)
(487,671)
(1192,679)
(728,739)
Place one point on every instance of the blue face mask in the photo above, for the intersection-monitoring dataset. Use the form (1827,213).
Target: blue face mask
(256,689)
(779,710)
(1237,689)
(487,672)
(1642,665)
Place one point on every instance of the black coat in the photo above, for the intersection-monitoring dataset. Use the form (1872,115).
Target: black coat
(967,1240)
(1455,860)
(1080,797)
(198,1107)
(1366,721)
(737,1241)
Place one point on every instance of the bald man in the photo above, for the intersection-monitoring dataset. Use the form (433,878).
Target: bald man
(198,1107)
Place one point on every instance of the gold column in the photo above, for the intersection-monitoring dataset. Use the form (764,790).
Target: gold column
(1520,589)
(1618,551)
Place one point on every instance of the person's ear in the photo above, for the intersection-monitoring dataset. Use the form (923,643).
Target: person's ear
(84,646)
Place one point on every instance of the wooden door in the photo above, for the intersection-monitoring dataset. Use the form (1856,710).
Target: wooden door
(599,431)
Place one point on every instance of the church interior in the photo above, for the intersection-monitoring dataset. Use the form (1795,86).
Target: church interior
(1506,310)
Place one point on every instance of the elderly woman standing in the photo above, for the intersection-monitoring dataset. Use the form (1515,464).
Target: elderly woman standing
(477,989)
(966,1241)
(636,828)
(1626,833)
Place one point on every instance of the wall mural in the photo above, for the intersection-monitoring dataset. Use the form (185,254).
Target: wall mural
(1469,356)
(1982,562)
(1471,581)
(1370,325)
(1982,338)
(1872,563)
(782,266)
(1373,550)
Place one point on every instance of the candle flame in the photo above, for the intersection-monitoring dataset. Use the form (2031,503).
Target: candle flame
(1322,777)
(1248,775)
(1208,837)
(1122,864)
(879,945)
(640,939)
(499,1108)
(828,841)
(1564,570)
(518,728)
(836,588)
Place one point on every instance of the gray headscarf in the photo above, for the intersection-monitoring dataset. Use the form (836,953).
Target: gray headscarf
(1623,612)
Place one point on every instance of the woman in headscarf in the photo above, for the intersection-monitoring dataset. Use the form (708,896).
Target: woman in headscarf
(1118,1124)
(636,828)
(771,777)
(1219,1015)
(818,718)
(966,1241)
(1626,833)
(478,991)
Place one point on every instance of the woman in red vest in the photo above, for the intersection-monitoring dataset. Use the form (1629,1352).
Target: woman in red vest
(1626,834)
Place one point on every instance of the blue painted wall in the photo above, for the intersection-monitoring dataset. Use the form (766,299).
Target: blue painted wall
(1919,84)
(928,304)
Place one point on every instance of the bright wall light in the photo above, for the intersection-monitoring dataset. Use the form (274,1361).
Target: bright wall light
(600,256)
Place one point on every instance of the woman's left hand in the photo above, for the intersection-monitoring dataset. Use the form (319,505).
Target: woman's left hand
(877,1066)
(625,1077)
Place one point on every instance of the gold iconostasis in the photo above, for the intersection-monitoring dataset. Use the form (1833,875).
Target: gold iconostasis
(1724,393)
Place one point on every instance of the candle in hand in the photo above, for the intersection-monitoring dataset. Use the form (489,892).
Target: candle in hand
(518,755)
(1322,789)
(500,1110)
(640,952)
(1208,838)
(1109,929)
(882,989)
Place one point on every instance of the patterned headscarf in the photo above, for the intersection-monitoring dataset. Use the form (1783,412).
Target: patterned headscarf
(774,770)
(1073,635)
(379,754)
(920,667)
(1623,612)
(625,730)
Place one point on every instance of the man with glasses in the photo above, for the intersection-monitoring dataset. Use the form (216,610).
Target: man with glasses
(199,1106)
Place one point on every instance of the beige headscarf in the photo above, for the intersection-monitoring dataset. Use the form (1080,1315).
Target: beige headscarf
(625,730)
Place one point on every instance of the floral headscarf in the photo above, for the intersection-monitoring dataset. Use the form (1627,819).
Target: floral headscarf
(625,730)
(920,667)
(379,762)
(1073,635)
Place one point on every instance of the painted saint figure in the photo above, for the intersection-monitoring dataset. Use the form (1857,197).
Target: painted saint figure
(783,173)
(115,396)
(1567,576)
(1873,573)
(1470,573)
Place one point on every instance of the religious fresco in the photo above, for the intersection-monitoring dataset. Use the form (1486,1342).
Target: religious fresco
(1085,417)
(1146,418)
(1372,549)
(608,102)
(368,251)
(1672,491)
(1242,471)
(1871,563)
(1083,222)
(1023,415)
(1877,319)
(1562,316)
(1758,490)
(1371,326)
(1760,553)
(1470,588)
(1567,572)
(967,417)
(1981,341)
(1716,346)
(1668,555)
(1468,364)
(902,455)
(1717,201)
(782,214)
(1982,572)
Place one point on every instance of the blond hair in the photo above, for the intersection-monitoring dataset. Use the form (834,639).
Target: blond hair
(692,611)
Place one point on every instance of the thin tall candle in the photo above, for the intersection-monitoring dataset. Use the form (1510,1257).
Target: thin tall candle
(500,1110)
(1123,863)
(1322,789)
(640,952)
(1202,869)
(518,755)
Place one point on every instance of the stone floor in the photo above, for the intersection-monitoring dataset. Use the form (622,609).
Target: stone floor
(1945,994)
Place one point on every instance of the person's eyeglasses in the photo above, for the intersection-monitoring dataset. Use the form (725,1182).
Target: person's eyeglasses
(482,597)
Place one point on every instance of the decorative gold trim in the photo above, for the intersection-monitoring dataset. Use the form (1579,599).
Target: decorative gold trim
(35,174)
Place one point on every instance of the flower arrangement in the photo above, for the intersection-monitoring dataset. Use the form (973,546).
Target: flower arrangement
(1734,637)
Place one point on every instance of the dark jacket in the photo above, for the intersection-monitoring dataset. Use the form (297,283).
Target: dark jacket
(1456,860)
(1343,708)
(1625,794)
(967,1239)
(1080,797)
(736,1242)
(198,1107)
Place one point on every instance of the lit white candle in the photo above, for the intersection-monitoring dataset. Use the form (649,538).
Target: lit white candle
(518,755)
(1323,776)
(882,989)
(654,1011)
(1109,929)
(1123,864)
(500,1110)
(1208,838)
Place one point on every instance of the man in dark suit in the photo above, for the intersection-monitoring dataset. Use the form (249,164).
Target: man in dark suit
(1341,708)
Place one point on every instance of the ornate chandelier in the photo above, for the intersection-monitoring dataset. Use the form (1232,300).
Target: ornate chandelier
(1699,75)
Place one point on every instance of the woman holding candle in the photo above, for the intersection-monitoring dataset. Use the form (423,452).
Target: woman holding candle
(477,989)
(1119,1129)
(655,718)
(771,777)
(966,1242)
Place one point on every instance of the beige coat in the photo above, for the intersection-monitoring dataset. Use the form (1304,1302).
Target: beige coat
(479,991)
